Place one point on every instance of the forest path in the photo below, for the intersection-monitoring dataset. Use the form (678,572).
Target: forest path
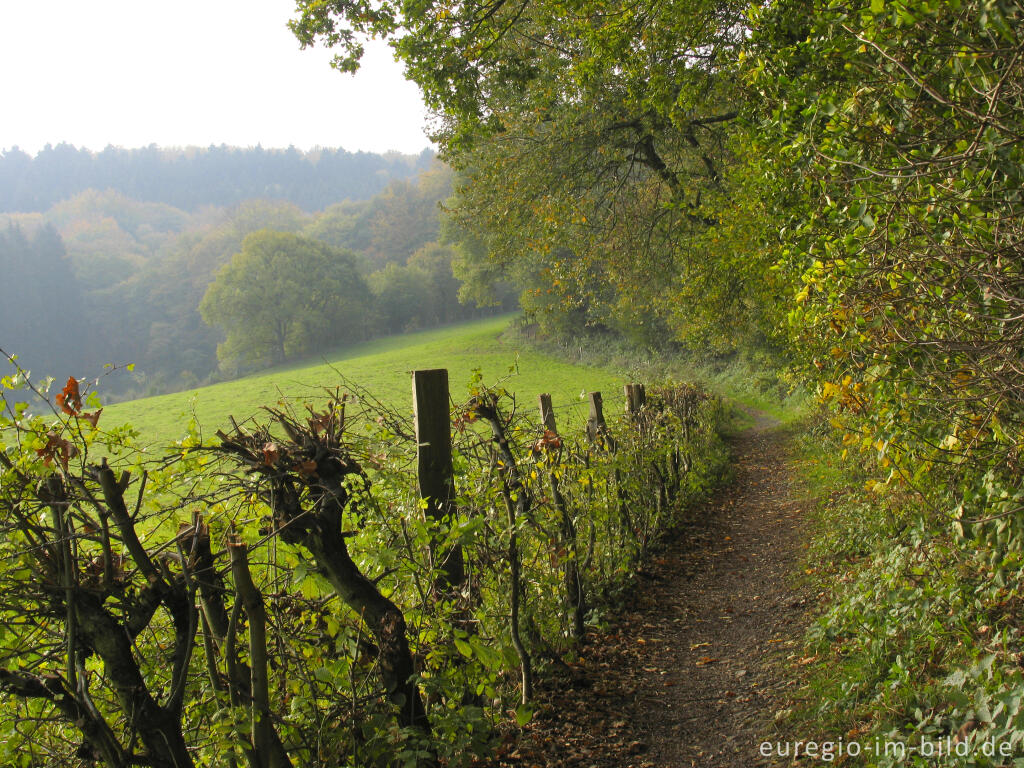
(689,673)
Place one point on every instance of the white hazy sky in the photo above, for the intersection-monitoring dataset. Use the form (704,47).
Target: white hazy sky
(192,72)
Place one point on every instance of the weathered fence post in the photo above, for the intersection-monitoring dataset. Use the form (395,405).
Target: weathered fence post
(547,414)
(571,570)
(636,398)
(435,477)
(598,435)
(597,430)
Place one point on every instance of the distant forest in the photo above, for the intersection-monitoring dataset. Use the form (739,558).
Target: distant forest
(194,177)
(103,276)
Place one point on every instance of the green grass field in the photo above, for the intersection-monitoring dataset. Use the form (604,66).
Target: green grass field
(383,368)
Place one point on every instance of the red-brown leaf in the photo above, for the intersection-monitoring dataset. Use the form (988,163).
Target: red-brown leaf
(306,467)
(70,399)
(270,453)
(93,417)
(57,448)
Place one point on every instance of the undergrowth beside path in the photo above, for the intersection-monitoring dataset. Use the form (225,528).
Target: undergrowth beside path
(916,658)
(386,622)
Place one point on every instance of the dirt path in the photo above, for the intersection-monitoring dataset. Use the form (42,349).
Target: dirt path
(688,676)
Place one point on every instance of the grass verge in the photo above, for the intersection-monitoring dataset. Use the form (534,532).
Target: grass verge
(755,385)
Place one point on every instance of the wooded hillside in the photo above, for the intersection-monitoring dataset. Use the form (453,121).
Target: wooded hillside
(193,177)
(128,277)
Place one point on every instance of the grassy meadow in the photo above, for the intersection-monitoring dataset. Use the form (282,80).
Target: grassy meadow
(383,368)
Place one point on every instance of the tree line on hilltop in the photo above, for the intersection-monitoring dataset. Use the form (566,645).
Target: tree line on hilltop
(192,177)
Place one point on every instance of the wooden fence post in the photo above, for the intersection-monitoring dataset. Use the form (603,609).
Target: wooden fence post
(597,430)
(596,408)
(547,414)
(636,398)
(567,529)
(435,477)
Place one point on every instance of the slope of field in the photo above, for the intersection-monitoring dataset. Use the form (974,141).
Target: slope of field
(383,368)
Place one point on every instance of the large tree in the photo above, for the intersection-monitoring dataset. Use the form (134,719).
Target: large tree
(282,295)
(593,141)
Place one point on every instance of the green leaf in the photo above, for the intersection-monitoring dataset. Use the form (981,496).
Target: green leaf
(464,648)
(524,714)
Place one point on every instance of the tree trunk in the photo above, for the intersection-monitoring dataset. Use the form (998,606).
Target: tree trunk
(383,618)
(159,729)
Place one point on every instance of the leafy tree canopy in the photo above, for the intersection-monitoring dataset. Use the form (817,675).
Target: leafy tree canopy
(281,294)
(594,143)
(895,132)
